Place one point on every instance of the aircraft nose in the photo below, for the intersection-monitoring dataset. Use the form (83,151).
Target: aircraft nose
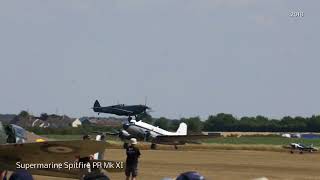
(125,126)
(147,109)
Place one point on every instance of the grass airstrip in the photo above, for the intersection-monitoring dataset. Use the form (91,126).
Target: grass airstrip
(219,164)
(263,143)
(240,158)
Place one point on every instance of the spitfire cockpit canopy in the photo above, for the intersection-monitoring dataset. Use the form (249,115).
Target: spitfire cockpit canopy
(12,134)
(118,105)
(302,145)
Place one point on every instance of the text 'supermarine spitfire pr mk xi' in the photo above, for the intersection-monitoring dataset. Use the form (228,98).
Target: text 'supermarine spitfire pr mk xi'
(121,109)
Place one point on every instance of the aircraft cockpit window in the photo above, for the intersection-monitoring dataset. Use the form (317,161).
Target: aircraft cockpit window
(15,134)
(11,138)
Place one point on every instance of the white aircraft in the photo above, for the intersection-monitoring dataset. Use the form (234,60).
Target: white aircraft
(295,135)
(301,148)
(147,132)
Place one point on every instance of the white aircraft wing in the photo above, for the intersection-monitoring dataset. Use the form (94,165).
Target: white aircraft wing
(182,139)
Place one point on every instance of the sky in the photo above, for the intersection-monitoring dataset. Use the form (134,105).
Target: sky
(188,57)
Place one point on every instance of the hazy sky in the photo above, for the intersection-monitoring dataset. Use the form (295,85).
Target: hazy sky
(190,57)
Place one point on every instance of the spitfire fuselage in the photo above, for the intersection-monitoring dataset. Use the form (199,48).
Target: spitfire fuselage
(122,110)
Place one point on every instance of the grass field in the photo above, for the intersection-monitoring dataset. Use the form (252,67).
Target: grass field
(267,140)
(63,137)
(73,137)
(241,158)
(254,140)
(219,164)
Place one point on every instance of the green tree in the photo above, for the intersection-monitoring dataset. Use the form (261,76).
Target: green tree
(174,125)
(162,122)
(194,124)
(145,117)
(24,114)
(313,123)
(221,122)
(246,123)
(293,124)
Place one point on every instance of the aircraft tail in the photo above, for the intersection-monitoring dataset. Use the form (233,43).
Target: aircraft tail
(96,104)
(182,130)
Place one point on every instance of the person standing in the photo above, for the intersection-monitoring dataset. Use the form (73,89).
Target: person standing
(3,174)
(21,174)
(133,154)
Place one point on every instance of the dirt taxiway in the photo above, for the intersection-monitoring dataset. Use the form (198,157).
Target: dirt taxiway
(220,164)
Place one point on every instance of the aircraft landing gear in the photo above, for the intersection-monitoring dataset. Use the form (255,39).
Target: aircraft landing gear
(153,146)
(86,137)
(125,145)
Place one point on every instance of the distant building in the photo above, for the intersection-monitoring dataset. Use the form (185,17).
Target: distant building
(76,123)
(80,122)
(40,123)
(85,121)
(107,121)
(6,118)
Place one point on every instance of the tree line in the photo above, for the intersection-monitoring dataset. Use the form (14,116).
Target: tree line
(81,130)
(228,122)
(218,122)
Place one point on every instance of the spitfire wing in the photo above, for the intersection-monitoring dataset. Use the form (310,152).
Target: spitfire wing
(74,172)
(123,110)
(50,151)
(63,173)
(181,139)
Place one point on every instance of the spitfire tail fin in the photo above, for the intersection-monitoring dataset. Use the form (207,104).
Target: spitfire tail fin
(96,104)
(182,130)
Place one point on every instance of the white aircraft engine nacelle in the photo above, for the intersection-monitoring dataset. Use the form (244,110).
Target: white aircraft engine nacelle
(149,135)
(124,134)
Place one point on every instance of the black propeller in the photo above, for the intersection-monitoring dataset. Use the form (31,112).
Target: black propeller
(147,135)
